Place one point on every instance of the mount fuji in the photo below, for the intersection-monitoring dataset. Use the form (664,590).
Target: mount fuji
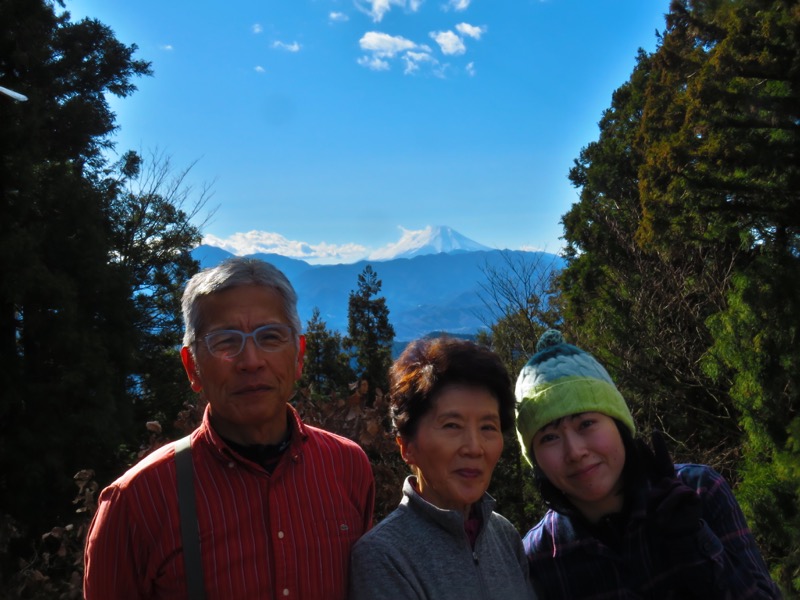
(432,281)
(431,240)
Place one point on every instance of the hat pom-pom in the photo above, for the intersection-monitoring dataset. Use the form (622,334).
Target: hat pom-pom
(551,337)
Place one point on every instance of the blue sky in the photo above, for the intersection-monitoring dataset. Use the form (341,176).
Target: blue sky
(329,129)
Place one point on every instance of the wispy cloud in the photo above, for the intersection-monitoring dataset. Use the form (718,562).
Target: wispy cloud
(257,28)
(338,17)
(470,30)
(449,42)
(293,47)
(167,47)
(260,69)
(458,5)
(376,9)
(413,60)
(373,63)
(254,242)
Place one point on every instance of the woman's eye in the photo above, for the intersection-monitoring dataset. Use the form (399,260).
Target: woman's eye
(587,423)
(548,437)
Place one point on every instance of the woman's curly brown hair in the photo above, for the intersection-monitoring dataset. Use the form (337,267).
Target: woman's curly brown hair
(428,365)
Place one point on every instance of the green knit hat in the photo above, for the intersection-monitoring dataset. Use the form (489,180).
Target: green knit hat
(561,380)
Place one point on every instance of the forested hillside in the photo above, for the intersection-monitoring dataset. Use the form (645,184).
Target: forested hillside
(684,252)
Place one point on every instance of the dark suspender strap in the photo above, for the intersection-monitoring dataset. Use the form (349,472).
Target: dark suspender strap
(190,533)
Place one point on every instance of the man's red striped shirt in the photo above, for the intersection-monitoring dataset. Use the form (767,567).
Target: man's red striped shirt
(285,535)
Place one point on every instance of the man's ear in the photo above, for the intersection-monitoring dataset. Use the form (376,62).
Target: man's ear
(301,352)
(190,366)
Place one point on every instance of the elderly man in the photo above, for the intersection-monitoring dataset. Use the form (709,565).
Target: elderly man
(278,504)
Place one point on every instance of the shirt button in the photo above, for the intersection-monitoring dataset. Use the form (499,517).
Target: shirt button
(280,535)
(230,465)
(285,591)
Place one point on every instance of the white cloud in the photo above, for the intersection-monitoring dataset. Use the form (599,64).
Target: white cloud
(338,17)
(167,47)
(382,48)
(470,68)
(373,63)
(383,45)
(378,8)
(293,47)
(253,242)
(257,28)
(471,30)
(449,42)
(413,60)
(410,238)
(458,4)
(260,69)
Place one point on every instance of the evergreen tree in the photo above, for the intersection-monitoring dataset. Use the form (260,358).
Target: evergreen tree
(640,311)
(66,315)
(326,366)
(370,334)
(684,254)
(722,170)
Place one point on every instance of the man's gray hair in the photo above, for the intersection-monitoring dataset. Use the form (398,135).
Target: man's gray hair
(235,272)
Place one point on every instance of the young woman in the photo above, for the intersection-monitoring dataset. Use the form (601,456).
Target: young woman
(624,521)
(451,401)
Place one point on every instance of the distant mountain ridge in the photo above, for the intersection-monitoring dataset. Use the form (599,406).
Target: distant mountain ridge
(424,293)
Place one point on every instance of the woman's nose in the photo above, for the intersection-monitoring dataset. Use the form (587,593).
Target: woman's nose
(574,447)
(472,444)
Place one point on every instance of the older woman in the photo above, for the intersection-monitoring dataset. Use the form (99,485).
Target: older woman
(451,402)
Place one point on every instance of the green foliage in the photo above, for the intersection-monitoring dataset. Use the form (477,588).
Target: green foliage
(369,332)
(756,337)
(683,251)
(721,172)
(326,367)
(641,311)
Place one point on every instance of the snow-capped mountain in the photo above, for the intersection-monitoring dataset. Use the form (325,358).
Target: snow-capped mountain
(440,291)
(431,240)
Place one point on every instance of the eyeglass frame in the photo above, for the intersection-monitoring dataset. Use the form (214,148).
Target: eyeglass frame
(245,336)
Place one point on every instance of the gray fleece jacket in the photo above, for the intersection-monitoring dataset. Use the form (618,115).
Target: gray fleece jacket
(421,551)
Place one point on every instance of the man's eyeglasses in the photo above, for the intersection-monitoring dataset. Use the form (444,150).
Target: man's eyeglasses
(229,343)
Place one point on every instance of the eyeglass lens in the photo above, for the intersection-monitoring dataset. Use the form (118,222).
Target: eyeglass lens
(228,343)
